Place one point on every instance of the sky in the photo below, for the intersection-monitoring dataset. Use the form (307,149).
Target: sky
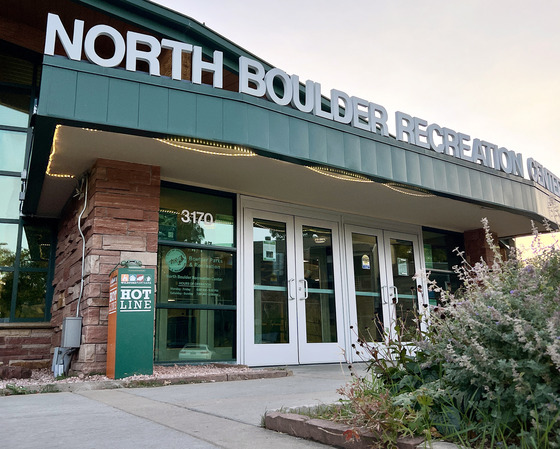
(486,68)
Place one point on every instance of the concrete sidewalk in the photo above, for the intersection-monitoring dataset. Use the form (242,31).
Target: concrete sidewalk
(212,415)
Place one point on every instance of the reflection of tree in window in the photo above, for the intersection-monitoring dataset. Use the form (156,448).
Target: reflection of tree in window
(7,259)
(191,233)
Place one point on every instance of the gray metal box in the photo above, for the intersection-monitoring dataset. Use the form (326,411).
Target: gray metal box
(71,332)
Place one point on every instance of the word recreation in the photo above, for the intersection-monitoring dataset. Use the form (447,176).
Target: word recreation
(279,87)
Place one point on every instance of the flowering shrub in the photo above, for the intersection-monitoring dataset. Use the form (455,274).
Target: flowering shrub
(487,371)
(499,344)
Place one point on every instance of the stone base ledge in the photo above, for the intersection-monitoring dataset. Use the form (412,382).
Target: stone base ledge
(328,432)
(62,386)
(26,325)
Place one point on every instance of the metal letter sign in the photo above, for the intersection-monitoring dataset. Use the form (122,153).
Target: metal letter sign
(130,345)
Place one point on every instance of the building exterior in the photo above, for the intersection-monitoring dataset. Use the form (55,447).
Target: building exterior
(281,221)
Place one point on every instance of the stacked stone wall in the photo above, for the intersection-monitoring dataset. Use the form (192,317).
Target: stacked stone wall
(26,345)
(476,246)
(120,223)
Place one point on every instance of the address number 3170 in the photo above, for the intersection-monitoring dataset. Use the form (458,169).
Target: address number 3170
(196,217)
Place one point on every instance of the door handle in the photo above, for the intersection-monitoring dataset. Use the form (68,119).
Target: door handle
(305,289)
(290,289)
(394,295)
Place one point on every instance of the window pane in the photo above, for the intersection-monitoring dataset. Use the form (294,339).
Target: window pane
(8,244)
(35,247)
(196,217)
(270,282)
(195,276)
(367,281)
(14,109)
(320,308)
(32,289)
(186,335)
(6,286)
(12,149)
(9,199)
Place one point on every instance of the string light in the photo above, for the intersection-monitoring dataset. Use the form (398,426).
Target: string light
(51,157)
(339,174)
(409,190)
(221,149)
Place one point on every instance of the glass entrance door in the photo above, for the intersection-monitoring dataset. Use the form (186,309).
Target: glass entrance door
(403,257)
(292,288)
(382,288)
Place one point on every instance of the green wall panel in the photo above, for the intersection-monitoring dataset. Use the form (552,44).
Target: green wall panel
(335,148)
(92,96)
(487,193)
(507,194)
(440,175)
(235,122)
(279,131)
(368,156)
(429,179)
(452,179)
(299,139)
(398,162)
(182,118)
(464,181)
(497,191)
(317,143)
(413,173)
(209,113)
(384,163)
(258,128)
(123,102)
(352,156)
(58,94)
(152,108)
(476,185)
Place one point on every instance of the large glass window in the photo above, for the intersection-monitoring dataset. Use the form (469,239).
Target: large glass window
(196,305)
(441,257)
(25,246)
(25,259)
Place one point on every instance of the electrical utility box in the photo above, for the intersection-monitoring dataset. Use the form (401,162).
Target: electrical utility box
(130,342)
(71,332)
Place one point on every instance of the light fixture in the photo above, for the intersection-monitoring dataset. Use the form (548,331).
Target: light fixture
(207,147)
(409,190)
(319,239)
(51,157)
(339,174)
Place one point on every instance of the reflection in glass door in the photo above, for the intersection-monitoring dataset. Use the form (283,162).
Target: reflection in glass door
(383,289)
(318,281)
(292,278)
(270,282)
(403,291)
(370,310)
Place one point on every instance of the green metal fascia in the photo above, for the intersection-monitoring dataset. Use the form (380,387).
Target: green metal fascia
(137,103)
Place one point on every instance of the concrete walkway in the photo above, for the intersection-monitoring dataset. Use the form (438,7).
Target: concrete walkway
(193,416)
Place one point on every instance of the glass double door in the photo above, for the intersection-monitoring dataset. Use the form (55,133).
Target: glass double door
(292,290)
(383,290)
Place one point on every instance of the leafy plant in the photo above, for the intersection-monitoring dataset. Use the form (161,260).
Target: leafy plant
(486,373)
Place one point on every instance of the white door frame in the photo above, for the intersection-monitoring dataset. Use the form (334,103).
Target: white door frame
(297,350)
(386,278)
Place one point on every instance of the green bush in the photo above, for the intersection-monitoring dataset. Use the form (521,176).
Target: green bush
(487,371)
(498,342)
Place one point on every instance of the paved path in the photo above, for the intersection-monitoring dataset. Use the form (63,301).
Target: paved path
(194,416)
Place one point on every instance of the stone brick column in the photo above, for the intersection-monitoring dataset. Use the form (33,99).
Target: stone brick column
(476,246)
(120,223)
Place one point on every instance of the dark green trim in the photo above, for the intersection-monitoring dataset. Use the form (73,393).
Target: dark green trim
(39,159)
